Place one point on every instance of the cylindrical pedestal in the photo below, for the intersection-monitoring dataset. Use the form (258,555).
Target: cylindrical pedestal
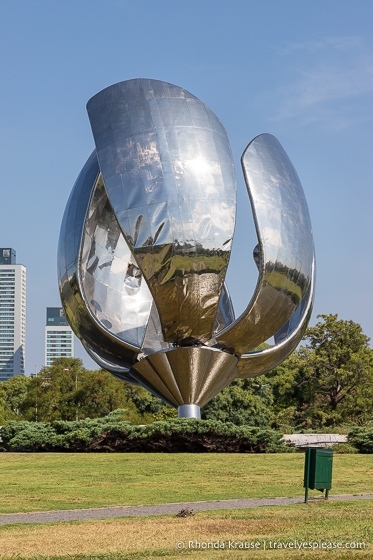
(189,411)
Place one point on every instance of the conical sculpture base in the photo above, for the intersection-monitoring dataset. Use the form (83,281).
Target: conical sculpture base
(187,376)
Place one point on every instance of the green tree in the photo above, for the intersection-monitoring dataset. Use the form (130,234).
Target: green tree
(243,402)
(67,391)
(14,391)
(334,382)
(283,381)
(12,394)
(53,392)
(150,407)
(100,393)
(6,413)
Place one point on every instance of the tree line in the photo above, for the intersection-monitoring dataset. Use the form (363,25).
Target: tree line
(325,384)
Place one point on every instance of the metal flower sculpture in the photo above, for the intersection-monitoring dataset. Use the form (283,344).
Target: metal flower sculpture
(146,239)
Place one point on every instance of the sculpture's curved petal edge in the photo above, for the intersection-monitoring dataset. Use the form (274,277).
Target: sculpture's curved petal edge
(112,285)
(285,245)
(225,315)
(263,361)
(125,373)
(119,370)
(84,324)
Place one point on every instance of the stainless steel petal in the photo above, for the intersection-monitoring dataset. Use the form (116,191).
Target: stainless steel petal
(112,284)
(285,252)
(225,314)
(258,363)
(169,175)
(82,313)
(123,373)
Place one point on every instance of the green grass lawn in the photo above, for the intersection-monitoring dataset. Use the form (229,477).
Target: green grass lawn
(42,482)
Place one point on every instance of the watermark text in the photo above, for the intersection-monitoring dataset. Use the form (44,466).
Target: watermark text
(295,544)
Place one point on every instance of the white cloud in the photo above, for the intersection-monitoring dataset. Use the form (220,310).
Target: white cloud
(325,79)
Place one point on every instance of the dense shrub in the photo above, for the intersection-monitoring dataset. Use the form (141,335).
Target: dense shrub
(362,439)
(60,435)
(112,434)
(344,448)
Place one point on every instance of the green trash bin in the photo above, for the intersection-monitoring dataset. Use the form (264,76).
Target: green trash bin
(318,467)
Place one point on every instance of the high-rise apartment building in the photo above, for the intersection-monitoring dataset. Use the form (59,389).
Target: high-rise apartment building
(12,315)
(59,338)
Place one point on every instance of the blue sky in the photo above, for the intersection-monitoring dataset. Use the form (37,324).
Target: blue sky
(300,70)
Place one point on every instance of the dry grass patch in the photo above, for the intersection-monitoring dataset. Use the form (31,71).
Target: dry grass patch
(154,537)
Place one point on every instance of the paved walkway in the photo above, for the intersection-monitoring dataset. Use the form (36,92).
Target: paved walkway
(163,509)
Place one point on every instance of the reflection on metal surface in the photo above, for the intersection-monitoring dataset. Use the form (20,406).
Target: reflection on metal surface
(169,176)
(146,239)
(262,361)
(285,251)
(189,411)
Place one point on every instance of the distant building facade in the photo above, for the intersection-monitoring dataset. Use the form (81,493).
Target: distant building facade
(12,315)
(59,338)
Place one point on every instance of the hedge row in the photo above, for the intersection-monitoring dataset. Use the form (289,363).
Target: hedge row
(112,434)
(362,439)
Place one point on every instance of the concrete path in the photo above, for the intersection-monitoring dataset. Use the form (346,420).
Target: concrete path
(163,509)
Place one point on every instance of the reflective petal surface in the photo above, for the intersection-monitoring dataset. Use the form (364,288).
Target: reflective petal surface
(285,252)
(169,176)
(78,287)
(262,361)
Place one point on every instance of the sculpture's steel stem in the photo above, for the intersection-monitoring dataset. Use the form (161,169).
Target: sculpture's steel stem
(189,411)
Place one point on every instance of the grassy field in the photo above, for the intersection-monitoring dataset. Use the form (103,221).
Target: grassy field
(42,482)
